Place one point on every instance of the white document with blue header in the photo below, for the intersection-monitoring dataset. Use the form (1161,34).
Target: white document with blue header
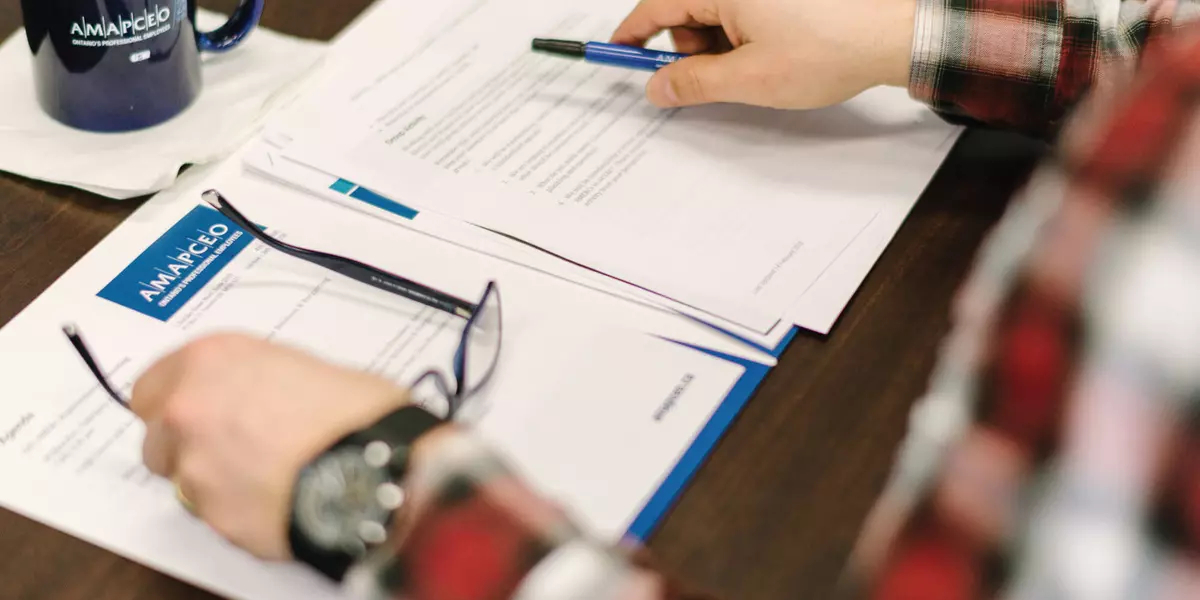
(734,211)
(265,159)
(578,370)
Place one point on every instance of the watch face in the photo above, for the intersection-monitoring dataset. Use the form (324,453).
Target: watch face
(336,498)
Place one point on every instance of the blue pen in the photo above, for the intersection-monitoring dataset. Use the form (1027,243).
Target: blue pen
(629,57)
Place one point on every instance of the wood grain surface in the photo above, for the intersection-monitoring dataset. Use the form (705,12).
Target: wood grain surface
(772,514)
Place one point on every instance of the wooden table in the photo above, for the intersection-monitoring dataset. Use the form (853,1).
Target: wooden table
(776,509)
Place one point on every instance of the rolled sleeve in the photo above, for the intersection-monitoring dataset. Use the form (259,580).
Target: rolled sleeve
(1023,64)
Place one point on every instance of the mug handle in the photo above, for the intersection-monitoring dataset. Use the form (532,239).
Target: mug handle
(243,20)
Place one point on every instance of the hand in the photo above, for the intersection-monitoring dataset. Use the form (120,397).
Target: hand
(793,54)
(232,420)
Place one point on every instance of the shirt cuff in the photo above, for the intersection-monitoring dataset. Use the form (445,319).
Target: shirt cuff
(999,67)
(929,31)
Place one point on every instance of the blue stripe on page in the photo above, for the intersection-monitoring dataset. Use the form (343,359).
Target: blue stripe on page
(380,202)
(776,352)
(349,188)
(342,186)
(703,445)
(785,342)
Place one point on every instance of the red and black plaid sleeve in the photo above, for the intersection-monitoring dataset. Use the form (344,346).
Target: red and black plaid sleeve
(472,530)
(1022,64)
(1057,451)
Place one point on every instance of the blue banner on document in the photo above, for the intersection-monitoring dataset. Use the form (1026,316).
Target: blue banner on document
(177,266)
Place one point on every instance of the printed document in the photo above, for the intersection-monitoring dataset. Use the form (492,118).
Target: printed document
(571,377)
(733,210)
(265,159)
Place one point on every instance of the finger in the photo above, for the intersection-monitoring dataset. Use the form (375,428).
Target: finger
(690,40)
(187,479)
(741,76)
(652,16)
(160,450)
(155,386)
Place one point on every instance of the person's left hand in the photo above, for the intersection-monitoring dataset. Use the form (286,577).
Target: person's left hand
(232,420)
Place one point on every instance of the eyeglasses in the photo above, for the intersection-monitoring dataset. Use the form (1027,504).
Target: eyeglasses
(478,350)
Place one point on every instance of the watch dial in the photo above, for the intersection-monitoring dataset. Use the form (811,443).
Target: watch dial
(336,496)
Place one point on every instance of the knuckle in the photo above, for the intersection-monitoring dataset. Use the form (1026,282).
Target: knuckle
(182,417)
(212,349)
(771,70)
(190,472)
(154,456)
(141,400)
(692,86)
(768,77)
(710,13)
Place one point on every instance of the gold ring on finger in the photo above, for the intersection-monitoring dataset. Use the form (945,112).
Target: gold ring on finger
(183,499)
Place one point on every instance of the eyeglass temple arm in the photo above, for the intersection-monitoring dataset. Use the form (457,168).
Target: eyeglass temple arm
(76,340)
(349,267)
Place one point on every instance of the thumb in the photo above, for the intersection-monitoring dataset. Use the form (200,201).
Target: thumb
(706,78)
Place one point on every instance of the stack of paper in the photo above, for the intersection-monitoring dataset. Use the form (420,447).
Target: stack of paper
(651,263)
(750,220)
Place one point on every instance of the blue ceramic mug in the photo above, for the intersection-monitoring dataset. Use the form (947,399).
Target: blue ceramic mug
(122,65)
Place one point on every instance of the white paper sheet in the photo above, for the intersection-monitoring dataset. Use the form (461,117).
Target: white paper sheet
(730,209)
(240,89)
(817,310)
(266,159)
(568,365)
(823,304)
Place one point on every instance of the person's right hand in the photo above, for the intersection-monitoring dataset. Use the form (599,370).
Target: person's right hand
(777,53)
(232,420)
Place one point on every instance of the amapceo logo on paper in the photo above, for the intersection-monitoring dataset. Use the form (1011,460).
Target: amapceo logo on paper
(178,265)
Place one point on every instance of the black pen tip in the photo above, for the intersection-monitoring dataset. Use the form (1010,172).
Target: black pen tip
(560,47)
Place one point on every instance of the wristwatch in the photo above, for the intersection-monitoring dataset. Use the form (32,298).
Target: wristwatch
(343,501)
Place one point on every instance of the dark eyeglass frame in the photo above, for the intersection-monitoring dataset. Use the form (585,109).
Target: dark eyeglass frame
(358,271)
(362,273)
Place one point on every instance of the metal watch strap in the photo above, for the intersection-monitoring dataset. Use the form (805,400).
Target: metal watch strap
(399,430)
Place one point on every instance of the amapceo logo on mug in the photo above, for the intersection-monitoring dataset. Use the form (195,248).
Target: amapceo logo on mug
(125,30)
(122,65)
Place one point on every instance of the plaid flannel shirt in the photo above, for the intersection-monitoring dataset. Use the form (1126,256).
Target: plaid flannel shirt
(1055,454)
(1023,64)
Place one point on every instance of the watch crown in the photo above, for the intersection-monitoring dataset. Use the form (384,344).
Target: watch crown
(378,454)
(372,533)
(390,496)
